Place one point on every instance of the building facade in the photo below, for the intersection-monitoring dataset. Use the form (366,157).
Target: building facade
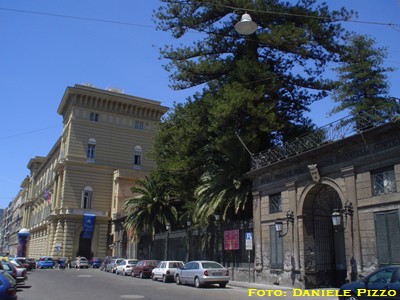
(301,186)
(76,191)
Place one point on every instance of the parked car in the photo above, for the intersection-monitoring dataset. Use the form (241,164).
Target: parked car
(125,267)
(383,284)
(22,261)
(165,270)
(45,262)
(95,262)
(80,262)
(22,273)
(32,262)
(8,287)
(200,273)
(143,268)
(10,268)
(105,262)
(112,265)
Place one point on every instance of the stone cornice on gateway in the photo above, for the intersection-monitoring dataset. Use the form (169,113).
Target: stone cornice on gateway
(110,101)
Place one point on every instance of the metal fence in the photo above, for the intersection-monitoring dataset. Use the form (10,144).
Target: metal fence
(225,243)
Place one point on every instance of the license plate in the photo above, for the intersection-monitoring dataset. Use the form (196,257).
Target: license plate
(217,274)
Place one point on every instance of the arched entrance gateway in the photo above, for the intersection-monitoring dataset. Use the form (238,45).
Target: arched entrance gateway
(324,254)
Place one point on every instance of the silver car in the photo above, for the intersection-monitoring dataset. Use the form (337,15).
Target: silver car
(200,273)
(125,267)
(80,262)
(165,270)
(112,265)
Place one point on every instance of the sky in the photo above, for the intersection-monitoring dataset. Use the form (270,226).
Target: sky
(48,45)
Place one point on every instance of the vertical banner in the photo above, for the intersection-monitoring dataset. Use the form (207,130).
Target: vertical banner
(88,225)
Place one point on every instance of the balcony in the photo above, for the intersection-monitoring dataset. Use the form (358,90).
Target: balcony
(338,130)
(82,211)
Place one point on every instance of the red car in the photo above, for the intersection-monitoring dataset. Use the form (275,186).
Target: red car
(143,268)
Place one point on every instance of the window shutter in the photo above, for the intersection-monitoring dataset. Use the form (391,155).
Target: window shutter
(394,240)
(272,243)
(387,237)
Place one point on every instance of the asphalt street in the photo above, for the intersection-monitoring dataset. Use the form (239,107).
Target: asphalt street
(93,284)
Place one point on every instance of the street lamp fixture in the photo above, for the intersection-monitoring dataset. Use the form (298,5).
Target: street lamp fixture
(168,228)
(246,25)
(188,224)
(338,214)
(279,223)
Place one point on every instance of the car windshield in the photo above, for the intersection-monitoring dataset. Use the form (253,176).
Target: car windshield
(9,278)
(176,265)
(211,265)
(151,263)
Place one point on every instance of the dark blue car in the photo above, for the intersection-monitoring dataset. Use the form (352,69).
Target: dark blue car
(381,284)
(8,287)
(95,262)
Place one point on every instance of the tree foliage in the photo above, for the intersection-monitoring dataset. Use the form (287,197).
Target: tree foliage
(150,209)
(258,86)
(362,82)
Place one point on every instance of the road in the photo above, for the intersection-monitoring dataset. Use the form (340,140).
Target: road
(93,284)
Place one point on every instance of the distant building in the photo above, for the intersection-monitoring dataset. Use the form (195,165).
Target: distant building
(74,191)
(315,177)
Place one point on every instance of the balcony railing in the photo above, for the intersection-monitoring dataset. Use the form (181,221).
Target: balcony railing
(338,130)
(82,211)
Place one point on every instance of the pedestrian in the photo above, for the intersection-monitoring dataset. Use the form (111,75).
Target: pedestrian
(78,263)
(69,263)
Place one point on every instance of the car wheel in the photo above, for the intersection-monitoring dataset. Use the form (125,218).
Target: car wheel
(124,273)
(153,277)
(222,285)
(178,280)
(141,275)
(197,283)
(164,279)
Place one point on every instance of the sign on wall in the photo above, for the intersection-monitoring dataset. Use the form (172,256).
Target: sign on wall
(231,239)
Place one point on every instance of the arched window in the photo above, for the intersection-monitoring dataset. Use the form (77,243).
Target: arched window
(137,159)
(87,196)
(91,150)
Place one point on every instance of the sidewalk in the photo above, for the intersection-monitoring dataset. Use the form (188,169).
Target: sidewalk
(290,293)
(260,286)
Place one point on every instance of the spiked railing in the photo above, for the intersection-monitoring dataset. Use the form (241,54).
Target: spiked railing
(343,128)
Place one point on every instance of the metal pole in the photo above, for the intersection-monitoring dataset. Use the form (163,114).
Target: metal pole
(248,258)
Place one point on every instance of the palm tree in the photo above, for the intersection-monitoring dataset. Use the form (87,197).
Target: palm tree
(224,189)
(150,209)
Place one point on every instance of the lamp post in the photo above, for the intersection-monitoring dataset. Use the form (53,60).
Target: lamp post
(188,224)
(168,228)
(339,225)
(217,218)
(279,223)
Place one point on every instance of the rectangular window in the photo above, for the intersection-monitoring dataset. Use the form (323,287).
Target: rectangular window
(276,248)
(137,159)
(383,181)
(275,203)
(87,199)
(138,124)
(91,152)
(94,117)
(387,231)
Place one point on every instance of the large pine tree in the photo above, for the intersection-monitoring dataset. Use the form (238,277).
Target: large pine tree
(258,86)
(362,82)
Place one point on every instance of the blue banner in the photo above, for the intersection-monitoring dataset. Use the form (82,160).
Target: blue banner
(88,225)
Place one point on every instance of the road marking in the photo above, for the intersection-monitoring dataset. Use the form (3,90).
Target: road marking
(85,275)
(131,296)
